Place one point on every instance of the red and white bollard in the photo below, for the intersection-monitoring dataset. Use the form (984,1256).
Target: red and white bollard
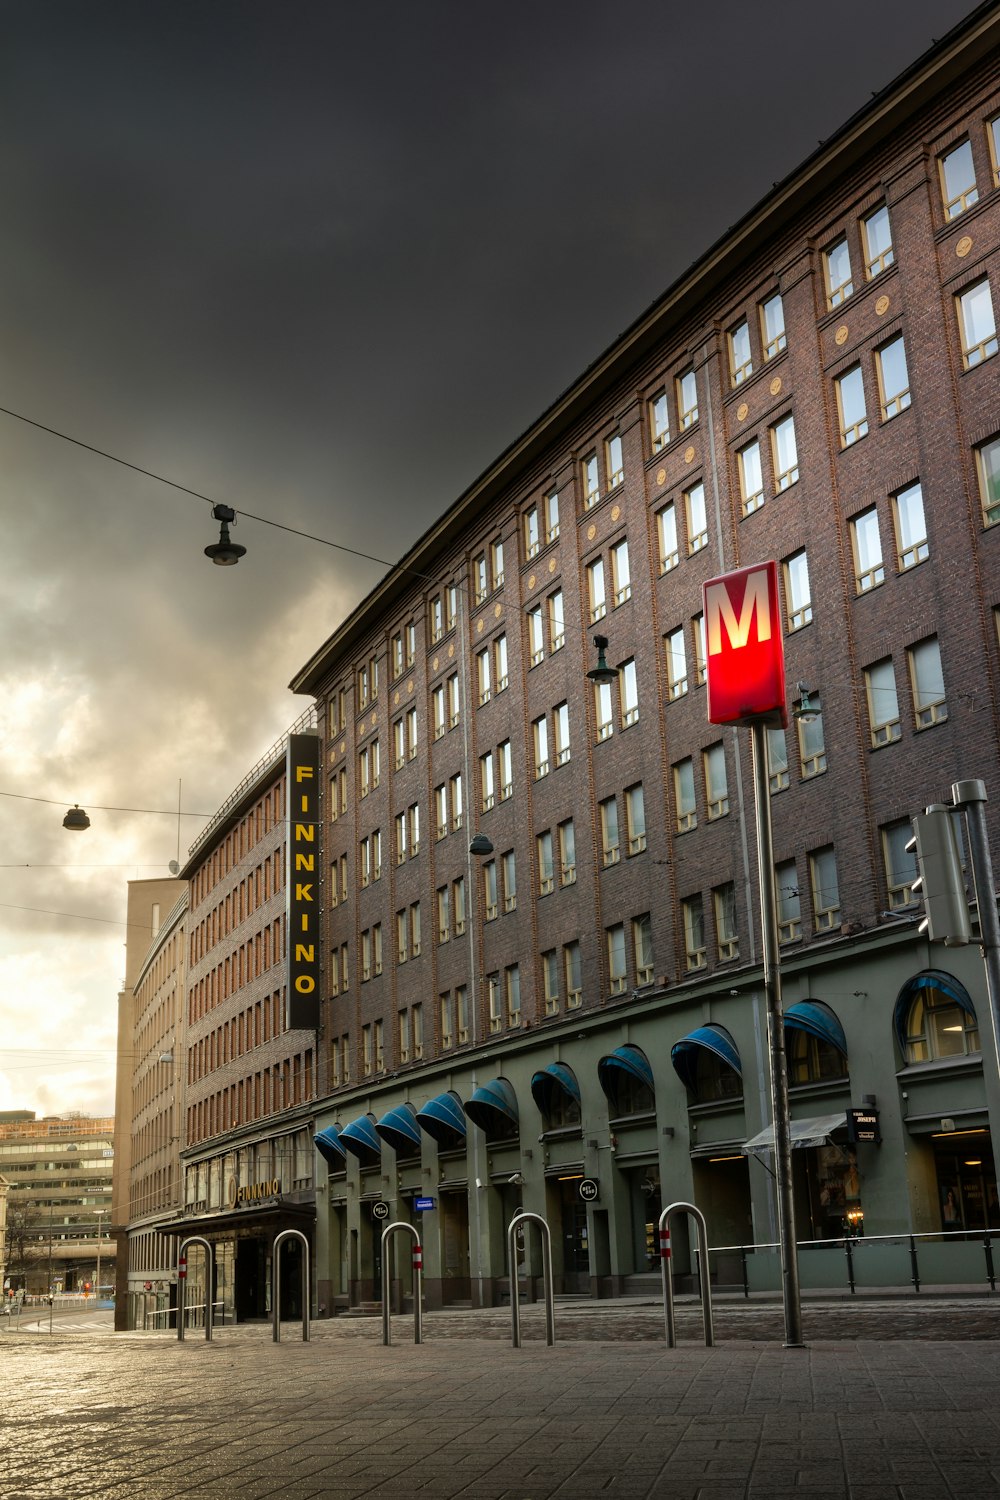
(665,1243)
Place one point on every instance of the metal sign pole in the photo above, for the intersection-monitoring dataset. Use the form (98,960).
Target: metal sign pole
(776,1043)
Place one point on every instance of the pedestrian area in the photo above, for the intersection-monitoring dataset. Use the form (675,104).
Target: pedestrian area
(910,1413)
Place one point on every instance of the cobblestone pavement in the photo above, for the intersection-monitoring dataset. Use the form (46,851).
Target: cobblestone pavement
(891,1400)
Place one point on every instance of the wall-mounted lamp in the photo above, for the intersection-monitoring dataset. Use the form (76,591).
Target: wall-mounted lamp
(225,552)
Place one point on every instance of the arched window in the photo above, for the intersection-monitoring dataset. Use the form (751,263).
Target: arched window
(815,1043)
(708,1064)
(935,1018)
(627,1080)
(557,1094)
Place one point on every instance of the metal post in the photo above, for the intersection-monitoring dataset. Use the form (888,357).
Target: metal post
(418,1262)
(850,1265)
(776,1044)
(914,1267)
(970,797)
(746,1272)
(195,1239)
(97,1279)
(516,1223)
(279,1239)
(704,1279)
(990,1274)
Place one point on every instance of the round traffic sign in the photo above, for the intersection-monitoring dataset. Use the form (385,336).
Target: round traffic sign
(588,1189)
(380,1210)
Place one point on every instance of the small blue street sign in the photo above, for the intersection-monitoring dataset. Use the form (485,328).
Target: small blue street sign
(422,1204)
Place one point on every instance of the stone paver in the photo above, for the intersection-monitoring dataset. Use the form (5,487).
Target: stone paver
(887,1402)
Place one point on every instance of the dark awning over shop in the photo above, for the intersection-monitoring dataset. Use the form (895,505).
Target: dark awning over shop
(627,1059)
(328,1144)
(443,1119)
(813,1132)
(819,1020)
(270,1216)
(928,979)
(399,1128)
(360,1139)
(713,1038)
(556,1076)
(493,1104)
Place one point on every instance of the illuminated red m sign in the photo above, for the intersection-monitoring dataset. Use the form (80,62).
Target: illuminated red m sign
(744,647)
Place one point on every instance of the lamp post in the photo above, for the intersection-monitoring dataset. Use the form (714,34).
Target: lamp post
(99,1214)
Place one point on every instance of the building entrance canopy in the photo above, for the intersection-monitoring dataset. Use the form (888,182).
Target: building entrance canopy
(813,1132)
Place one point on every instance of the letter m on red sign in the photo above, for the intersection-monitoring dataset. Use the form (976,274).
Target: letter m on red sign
(744,648)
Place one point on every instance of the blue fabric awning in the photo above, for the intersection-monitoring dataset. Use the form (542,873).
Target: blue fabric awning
(443,1119)
(360,1139)
(493,1105)
(713,1038)
(928,979)
(399,1128)
(327,1143)
(556,1076)
(627,1059)
(819,1020)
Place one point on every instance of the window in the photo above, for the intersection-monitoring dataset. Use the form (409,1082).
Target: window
(617,978)
(450,606)
(697,519)
(486,783)
(893,378)
(532,534)
(958,180)
(716,781)
(496,563)
(603,711)
(726,937)
(495,1001)
(397,654)
(573,969)
(505,766)
(825,889)
(536,639)
(560,724)
(851,406)
(988,467)
(876,238)
(789,915)
(417,1017)
(483,677)
(628,689)
(377,948)
(700,649)
(911,528)
(540,740)
(772,326)
(621,579)
(557,621)
(595,590)
(812,744)
(567,852)
(927,680)
(610,846)
(443,913)
(977,324)
(411,734)
(591,483)
(509,873)
(455,786)
(642,949)
(410,642)
(866,543)
(751,478)
(550,981)
(490,889)
(546,869)
(500,676)
(338,712)
(364,772)
(512,985)
(344,969)
(366,956)
(937,1027)
(694,932)
(613,461)
(454,712)
(413,826)
(659,421)
(777,761)
(687,399)
(798,595)
(480,578)
(552,516)
(458,905)
(686,814)
(785,454)
(900,864)
(447,1013)
(635,818)
(666,526)
(435,618)
(399,826)
(364,863)
(441,811)
(366,1050)
(677,677)
(740,362)
(993,136)
(883,706)
(837,268)
(462,1012)
(376,846)
(438,715)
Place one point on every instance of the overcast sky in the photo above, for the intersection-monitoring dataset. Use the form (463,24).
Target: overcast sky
(321,262)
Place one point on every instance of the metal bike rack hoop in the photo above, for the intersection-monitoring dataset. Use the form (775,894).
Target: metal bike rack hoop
(418,1281)
(289,1234)
(194,1239)
(515,1307)
(668,1280)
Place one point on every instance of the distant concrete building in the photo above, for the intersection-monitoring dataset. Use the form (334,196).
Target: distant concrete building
(59,1204)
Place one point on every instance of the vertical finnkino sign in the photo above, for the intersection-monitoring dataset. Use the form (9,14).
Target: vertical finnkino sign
(303,881)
